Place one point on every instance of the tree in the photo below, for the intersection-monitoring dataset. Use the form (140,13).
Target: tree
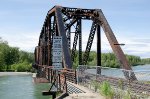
(3,47)
(2,61)
(26,56)
(11,55)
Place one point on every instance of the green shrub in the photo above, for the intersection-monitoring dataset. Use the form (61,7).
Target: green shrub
(2,70)
(120,84)
(106,90)
(22,67)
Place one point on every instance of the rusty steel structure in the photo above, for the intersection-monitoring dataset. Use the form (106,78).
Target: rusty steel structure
(59,21)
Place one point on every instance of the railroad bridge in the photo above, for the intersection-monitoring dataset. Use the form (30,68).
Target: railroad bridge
(61,23)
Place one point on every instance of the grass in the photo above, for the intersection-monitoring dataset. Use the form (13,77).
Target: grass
(95,84)
(106,90)
(109,92)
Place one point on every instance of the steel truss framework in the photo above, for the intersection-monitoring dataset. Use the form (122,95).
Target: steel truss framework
(59,21)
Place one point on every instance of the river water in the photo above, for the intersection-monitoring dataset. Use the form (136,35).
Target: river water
(142,72)
(22,87)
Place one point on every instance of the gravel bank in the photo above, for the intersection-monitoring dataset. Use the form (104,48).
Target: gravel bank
(14,73)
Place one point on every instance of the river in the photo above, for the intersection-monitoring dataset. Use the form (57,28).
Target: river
(142,72)
(22,87)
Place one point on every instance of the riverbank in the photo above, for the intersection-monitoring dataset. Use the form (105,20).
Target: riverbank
(14,73)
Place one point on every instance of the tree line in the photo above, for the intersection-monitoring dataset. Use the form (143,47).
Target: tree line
(110,60)
(13,59)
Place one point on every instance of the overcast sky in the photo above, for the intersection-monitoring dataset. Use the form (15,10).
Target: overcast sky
(21,22)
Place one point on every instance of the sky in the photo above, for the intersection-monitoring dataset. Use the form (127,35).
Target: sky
(21,22)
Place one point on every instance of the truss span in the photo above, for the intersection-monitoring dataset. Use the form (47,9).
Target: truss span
(59,22)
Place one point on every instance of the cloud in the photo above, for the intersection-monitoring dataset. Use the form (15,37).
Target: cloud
(137,46)
(25,41)
(142,40)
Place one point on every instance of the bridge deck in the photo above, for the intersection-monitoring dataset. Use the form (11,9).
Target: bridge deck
(74,88)
(80,92)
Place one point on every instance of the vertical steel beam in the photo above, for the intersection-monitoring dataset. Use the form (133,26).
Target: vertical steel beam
(69,37)
(80,42)
(98,49)
(62,32)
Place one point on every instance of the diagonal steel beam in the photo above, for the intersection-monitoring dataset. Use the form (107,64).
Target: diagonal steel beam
(75,40)
(112,40)
(70,24)
(89,44)
(62,32)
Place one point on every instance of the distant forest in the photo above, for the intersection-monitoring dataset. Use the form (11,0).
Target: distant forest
(110,60)
(13,59)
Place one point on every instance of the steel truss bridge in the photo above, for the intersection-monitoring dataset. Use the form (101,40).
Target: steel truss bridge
(59,22)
